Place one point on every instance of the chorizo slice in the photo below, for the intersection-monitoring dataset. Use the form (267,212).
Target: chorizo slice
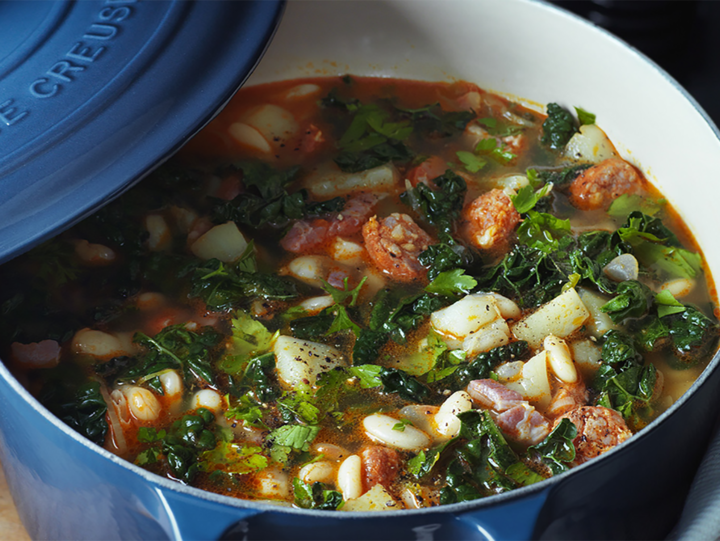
(490,221)
(598,430)
(599,185)
(394,245)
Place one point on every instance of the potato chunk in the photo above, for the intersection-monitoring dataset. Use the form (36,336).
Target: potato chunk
(375,499)
(561,317)
(590,145)
(464,317)
(300,362)
(223,242)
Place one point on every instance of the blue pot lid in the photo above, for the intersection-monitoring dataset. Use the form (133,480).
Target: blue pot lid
(95,94)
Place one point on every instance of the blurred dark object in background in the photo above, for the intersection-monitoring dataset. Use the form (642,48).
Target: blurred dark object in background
(680,35)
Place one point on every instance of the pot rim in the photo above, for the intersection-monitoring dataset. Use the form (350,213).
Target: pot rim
(481,503)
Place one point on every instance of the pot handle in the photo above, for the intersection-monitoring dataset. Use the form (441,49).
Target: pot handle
(514,520)
(189,518)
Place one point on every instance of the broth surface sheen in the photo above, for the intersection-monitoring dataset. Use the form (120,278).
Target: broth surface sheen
(368,294)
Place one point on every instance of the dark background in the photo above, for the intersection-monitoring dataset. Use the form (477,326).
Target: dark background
(682,36)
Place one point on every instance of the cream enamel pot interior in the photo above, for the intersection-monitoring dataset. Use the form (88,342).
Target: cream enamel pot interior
(66,487)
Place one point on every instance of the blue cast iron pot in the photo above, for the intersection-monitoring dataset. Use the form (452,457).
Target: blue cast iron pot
(68,488)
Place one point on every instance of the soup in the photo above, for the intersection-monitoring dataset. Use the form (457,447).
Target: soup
(368,294)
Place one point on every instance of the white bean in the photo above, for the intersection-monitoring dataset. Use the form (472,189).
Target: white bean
(679,287)
(142,403)
(328,180)
(349,477)
(172,383)
(423,418)
(465,316)
(97,344)
(207,398)
(272,121)
(560,359)
(331,451)
(315,304)
(160,237)
(317,472)
(249,137)
(302,91)
(346,251)
(94,254)
(447,422)
(273,484)
(380,427)
(623,267)
(308,268)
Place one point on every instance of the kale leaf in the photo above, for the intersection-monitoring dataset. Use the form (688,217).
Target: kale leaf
(432,122)
(188,437)
(265,199)
(223,286)
(560,178)
(623,381)
(633,300)
(557,449)
(558,128)
(484,464)
(480,366)
(655,245)
(440,207)
(316,496)
(442,257)
(692,334)
(83,408)
(175,347)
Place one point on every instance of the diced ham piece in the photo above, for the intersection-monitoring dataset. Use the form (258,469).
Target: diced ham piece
(567,396)
(523,424)
(308,235)
(305,236)
(514,416)
(490,394)
(44,354)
